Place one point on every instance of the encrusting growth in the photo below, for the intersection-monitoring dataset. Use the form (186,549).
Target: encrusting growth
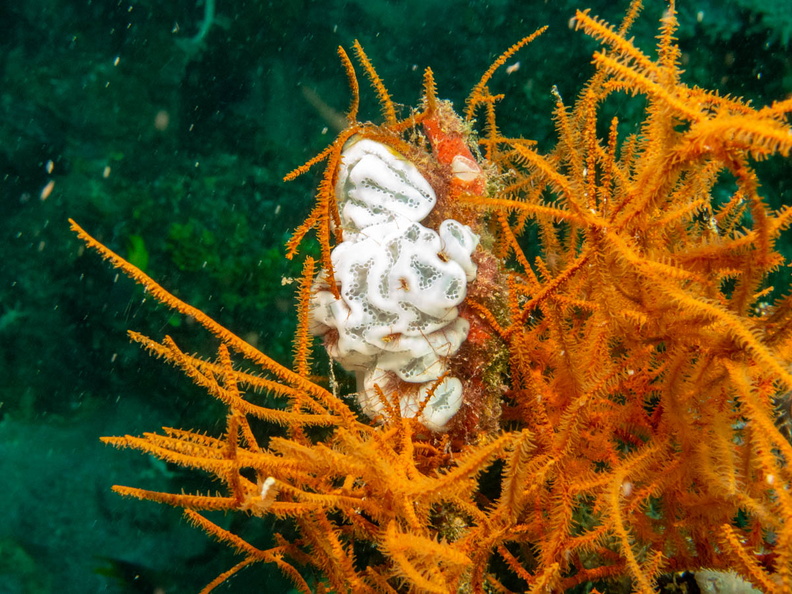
(395,321)
(617,380)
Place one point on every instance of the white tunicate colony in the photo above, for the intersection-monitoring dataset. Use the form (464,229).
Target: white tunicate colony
(399,283)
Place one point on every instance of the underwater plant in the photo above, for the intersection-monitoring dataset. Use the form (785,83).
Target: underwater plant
(567,363)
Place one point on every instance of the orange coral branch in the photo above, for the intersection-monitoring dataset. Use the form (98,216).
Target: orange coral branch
(478,89)
(388,109)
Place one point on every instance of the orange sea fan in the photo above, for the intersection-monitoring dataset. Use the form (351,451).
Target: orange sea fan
(619,377)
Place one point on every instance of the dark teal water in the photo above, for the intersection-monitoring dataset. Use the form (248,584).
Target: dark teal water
(165,131)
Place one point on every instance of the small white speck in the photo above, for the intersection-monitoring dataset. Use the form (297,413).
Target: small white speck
(626,488)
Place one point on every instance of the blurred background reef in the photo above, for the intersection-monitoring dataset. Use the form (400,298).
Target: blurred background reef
(164,129)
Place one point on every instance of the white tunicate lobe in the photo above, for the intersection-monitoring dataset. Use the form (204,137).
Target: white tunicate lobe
(400,284)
